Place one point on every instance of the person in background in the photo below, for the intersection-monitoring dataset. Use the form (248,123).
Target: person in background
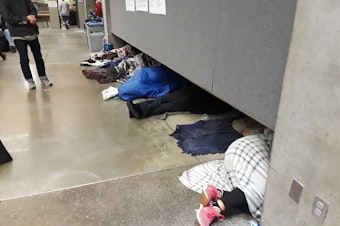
(7,34)
(98,9)
(64,12)
(20,16)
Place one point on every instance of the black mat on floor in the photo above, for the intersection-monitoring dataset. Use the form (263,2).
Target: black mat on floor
(4,155)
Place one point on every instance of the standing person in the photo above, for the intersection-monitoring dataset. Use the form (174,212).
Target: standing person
(64,12)
(7,34)
(22,24)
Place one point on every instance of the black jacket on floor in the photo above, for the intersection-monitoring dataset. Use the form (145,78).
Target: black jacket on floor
(196,100)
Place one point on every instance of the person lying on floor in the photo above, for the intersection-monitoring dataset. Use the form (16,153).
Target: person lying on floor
(246,164)
(126,50)
(97,59)
(120,69)
(190,98)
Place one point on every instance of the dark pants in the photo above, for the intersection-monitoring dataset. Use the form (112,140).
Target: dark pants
(235,202)
(24,61)
(155,107)
(64,20)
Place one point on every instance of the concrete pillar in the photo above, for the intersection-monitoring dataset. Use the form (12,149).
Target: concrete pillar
(54,15)
(109,37)
(81,13)
(306,141)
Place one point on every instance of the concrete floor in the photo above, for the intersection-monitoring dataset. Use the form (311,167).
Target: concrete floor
(79,160)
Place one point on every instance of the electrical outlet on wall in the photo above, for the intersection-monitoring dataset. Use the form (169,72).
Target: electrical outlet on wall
(319,209)
(296,190)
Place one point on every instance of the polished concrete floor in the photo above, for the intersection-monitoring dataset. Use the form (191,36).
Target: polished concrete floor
(79,160)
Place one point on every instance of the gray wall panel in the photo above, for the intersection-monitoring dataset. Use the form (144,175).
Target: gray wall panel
(183,40)
(253,42)
(152,34)
(195,34)
(236,49)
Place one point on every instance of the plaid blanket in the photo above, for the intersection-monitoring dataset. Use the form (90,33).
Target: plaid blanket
(245,167)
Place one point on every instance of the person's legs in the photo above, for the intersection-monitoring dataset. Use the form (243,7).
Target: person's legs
(65,20)
(36,50)
(8,37)
(235,202)
(24,61)
(39,62)
(149,108)
(62,21)
(142,109)
(163,108)
(231,203)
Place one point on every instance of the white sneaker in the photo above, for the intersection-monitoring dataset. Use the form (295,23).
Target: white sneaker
(112,93)
(108,90)
(31,84)
(45,82)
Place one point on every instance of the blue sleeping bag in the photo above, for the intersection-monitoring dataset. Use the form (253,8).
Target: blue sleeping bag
(151,82)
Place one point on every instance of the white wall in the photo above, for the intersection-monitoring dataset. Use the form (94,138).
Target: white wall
(307,135)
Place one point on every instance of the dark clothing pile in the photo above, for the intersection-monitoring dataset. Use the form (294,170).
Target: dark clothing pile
(206,137)
(105,74)
(196,100)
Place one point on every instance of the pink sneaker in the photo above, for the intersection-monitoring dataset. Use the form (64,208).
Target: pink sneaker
(209,193)
(207,214)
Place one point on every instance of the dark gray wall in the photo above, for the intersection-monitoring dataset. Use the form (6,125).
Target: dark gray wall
(253,41)
(236,49)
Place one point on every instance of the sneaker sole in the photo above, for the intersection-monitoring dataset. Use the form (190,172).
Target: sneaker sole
(43,84)
(197,223)
(197,217)
(132,109)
